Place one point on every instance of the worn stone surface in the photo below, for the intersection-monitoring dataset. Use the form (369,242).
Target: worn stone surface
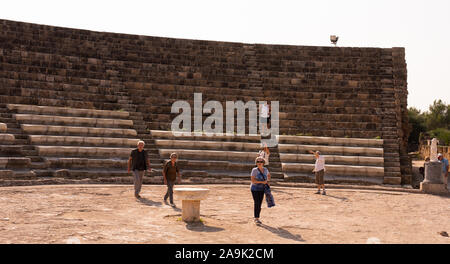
(111,214)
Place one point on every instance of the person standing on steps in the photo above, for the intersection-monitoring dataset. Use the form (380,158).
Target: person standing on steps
(319,170)
(138,163)
(265,153)
(264,111)
(171,173)
(260,176)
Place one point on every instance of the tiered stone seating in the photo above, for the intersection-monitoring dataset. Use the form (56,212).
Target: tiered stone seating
(224,156)
(323,91)
(347,159)
(10,166)
(81,143)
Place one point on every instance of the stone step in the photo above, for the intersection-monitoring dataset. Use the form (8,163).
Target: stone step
(346,170)
(389,155)
(392,180)
(73,121)
(3,128)
(211,145)
(225,174)
(209,165)
(66,111)
(17,174)
(330,141)
(82,141)
(333,179)
(14,162)
(75,151)
(83,163)
(331,150)
(77,131)
(81,174)
(394,174)
(35,158)
(163,134)
(15,131)
(10,150)
(38,165)
(395,169)
(7,138)
(333,159)
(210,155)
(6,174)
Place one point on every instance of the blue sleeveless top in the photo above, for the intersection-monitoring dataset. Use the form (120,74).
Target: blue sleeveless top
(259,177)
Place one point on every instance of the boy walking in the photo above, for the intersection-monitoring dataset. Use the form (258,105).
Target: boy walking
(171,173)
(319,170)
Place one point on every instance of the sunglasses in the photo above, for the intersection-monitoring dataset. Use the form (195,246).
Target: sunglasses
(260,161)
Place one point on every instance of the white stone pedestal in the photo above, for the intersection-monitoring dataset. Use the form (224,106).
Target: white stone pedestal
(434,182)
(191,198)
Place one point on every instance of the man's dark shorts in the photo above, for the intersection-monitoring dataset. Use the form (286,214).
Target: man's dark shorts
(319,177)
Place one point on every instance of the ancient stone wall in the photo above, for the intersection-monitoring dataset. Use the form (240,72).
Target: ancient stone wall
(323,91)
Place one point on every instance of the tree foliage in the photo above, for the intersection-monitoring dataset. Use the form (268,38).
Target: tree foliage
(435,122)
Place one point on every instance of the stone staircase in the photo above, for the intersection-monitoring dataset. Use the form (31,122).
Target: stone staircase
(13,164)
(143,133)
(209,156)
(76,143)
(348,160)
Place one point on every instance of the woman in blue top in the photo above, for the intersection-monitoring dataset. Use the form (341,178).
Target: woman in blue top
(260,176)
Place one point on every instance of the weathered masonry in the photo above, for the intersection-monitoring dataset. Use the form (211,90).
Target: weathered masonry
(74,102)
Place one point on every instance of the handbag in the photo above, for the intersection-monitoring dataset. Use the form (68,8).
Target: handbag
(268,193)
(269,197)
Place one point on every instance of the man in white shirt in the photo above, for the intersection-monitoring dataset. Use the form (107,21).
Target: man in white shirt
(319,170)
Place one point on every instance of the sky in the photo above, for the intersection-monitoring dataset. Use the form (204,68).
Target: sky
(422,27)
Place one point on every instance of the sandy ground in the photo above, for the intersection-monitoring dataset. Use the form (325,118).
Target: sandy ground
(110,214)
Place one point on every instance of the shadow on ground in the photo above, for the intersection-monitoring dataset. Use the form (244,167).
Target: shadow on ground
(175,208)
(149,202)
(337,197)
(201,227)
(281,232)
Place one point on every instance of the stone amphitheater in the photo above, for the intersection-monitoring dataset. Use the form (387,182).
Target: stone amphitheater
(73,103)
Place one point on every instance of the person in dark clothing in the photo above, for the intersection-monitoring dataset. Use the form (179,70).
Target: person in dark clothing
(260,176)
(138,163)
(171,173)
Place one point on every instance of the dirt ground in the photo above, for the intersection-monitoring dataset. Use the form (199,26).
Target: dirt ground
(111,214)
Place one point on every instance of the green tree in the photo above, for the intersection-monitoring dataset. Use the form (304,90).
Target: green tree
(438,116)
(435,122)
